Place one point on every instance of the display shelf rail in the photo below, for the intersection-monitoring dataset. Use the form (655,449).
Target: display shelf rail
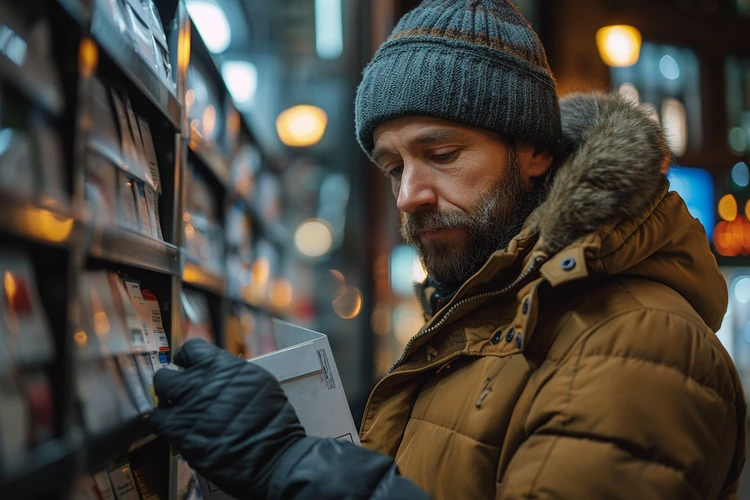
(194,275)
(136,70)
(48,468)
(212,159)
(45,223)
(121,246)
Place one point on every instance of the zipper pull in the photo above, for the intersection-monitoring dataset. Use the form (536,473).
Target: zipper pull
(486,390)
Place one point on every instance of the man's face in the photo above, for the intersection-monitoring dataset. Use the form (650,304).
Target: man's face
(463,192)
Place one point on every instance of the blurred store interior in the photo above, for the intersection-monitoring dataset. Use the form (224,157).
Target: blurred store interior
(194,162)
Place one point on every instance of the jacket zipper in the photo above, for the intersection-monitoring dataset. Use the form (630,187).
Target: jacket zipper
(532,267)
(454,307)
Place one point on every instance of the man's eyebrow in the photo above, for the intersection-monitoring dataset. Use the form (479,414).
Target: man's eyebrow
(437,136)
(427,138)
(378,154)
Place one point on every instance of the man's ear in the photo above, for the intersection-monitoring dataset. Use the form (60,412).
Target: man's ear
(534,163)
(539,162)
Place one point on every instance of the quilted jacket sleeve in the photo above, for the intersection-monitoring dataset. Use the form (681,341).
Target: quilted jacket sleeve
(318,468)
(646,406)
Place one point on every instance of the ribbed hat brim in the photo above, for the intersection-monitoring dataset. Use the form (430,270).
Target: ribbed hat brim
(459,82)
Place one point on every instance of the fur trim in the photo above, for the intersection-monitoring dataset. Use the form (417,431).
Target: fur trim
(615,158)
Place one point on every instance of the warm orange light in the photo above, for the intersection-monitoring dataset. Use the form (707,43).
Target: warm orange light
(338,277)
(183,47)
(209,120)
(189,98)
(732,239)
(349,302)
(747,209)
(10,286)
(80,338)
(261,270)
(728,208)
(280,293)
(619,45)
(88,57)
(101,323)
(301,126)
(47,225)
(189,231)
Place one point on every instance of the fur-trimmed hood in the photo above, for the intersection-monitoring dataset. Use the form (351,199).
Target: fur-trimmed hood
(610,197)
(615,159)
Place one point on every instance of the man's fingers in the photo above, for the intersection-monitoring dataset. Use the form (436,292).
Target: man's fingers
(160,423)
(171,386)
(193,352)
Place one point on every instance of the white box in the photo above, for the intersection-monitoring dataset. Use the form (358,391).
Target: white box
(305,367)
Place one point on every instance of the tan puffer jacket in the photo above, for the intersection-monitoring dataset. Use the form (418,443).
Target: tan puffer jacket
(581,362)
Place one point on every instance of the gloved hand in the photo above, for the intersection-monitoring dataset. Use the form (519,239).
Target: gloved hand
(228,418)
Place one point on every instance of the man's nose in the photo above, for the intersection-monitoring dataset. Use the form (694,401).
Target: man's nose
(416,193)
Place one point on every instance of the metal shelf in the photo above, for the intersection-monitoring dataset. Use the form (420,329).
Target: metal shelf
(41,223)
(135,69)
(212,159)
(123,246)
(196,276)
(49,467)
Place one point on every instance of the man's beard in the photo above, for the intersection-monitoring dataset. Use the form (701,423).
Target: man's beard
(496,220)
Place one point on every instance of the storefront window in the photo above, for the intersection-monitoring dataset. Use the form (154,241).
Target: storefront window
(738,105)
(666,81)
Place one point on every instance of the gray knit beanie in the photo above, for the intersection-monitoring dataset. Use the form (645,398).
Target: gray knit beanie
(476,62)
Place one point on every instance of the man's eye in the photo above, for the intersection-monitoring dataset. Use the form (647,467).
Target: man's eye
(395,172)
(443,157)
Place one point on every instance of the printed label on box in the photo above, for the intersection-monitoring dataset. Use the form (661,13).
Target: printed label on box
(158,360)
(123,482)
(104,485)
(330,381)
(147,307)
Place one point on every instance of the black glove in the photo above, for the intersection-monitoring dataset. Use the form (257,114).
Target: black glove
(228,418)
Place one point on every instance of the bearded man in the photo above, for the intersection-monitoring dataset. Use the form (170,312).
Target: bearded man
(569,347)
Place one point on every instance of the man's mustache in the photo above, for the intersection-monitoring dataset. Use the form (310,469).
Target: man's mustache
(419,222)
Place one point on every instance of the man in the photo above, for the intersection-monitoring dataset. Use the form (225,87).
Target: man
(569,349)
